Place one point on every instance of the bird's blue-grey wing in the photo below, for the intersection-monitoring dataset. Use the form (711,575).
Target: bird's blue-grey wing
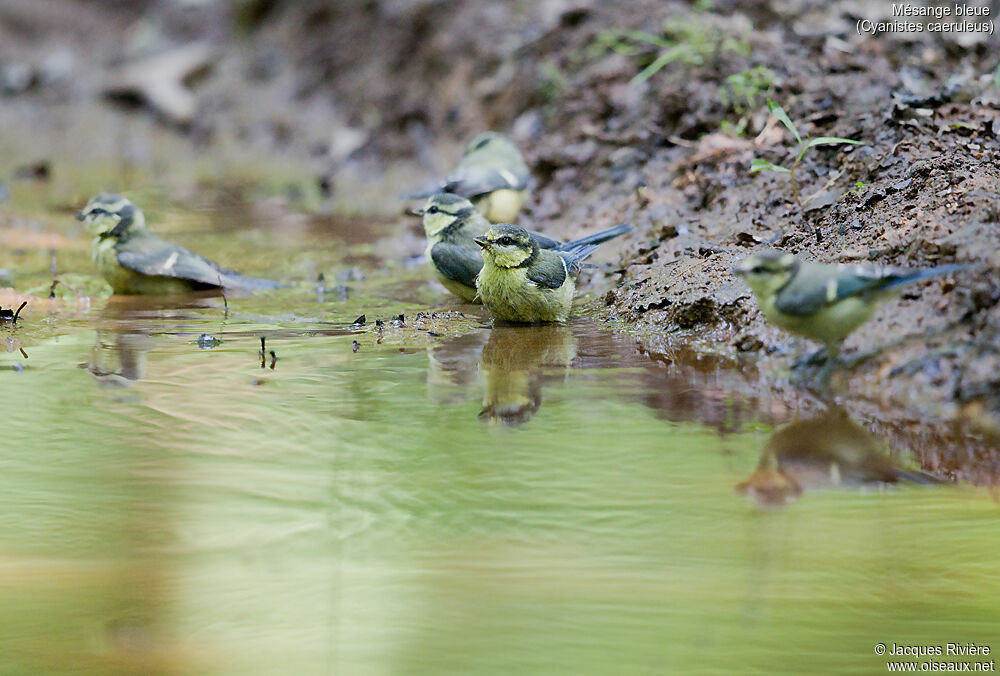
(814,287)
(473,181)
(457,263)
(549,270)
(151,255)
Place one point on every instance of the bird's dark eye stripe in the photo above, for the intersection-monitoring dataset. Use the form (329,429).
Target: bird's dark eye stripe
(439,210)
(97,211)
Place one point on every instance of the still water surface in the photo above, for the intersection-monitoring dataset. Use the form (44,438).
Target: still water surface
(491,501)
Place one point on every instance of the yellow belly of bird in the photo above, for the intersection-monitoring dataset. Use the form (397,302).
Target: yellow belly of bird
(511,297)
(125,281)
(501,206)
(829,326)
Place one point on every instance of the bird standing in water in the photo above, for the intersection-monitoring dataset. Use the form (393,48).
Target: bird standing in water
(824,302)
(135,261)
(521,282)
(451,224)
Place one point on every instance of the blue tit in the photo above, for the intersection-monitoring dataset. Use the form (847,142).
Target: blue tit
(824,302)
(522,282)
(451,224)
(133,260)
(492,174)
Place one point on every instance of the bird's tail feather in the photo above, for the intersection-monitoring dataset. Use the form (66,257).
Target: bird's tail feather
(911,276)
(579,252)
(917,477)
(251,283)
(597,237)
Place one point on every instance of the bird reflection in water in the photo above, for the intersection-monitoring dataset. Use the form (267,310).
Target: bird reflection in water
(515,362)
(124,336)
(119,359)
(828,451)
(453,368)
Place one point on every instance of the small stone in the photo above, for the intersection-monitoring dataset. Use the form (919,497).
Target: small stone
(207,341)
(748,343)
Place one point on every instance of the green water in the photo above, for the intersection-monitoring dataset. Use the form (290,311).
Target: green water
(514,500)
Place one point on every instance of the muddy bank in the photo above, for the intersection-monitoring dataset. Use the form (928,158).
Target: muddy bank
(333,106)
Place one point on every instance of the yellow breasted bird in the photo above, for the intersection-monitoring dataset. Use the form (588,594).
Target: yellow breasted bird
(452,223)
(134,260)
(824,302)
(521,282)
(492,174)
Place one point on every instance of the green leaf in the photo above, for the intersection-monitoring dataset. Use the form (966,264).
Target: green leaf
(649,38)
(831,141)
(782,116)
(757,164)
(672,54)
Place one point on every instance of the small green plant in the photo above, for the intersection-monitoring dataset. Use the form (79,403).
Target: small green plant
(858,187)
(742,93)
(691,42)
(757,164)
(552,82)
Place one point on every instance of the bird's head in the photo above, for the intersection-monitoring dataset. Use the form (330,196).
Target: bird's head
(494,143)
(444,210)
(507,246)
(110,215)
(767,271)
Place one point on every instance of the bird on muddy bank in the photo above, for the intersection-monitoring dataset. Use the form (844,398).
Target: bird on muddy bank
(492,174)
(523,283)
(452,223)
(135,261)
(824,302)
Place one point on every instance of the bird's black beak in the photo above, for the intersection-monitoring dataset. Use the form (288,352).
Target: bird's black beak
(415,212)
(482,242)
(80,215)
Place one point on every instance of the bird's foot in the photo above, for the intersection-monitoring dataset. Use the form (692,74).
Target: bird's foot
(817,358)
(832,364)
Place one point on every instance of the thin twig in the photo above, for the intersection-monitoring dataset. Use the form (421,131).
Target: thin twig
(225,302)
(56,282)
